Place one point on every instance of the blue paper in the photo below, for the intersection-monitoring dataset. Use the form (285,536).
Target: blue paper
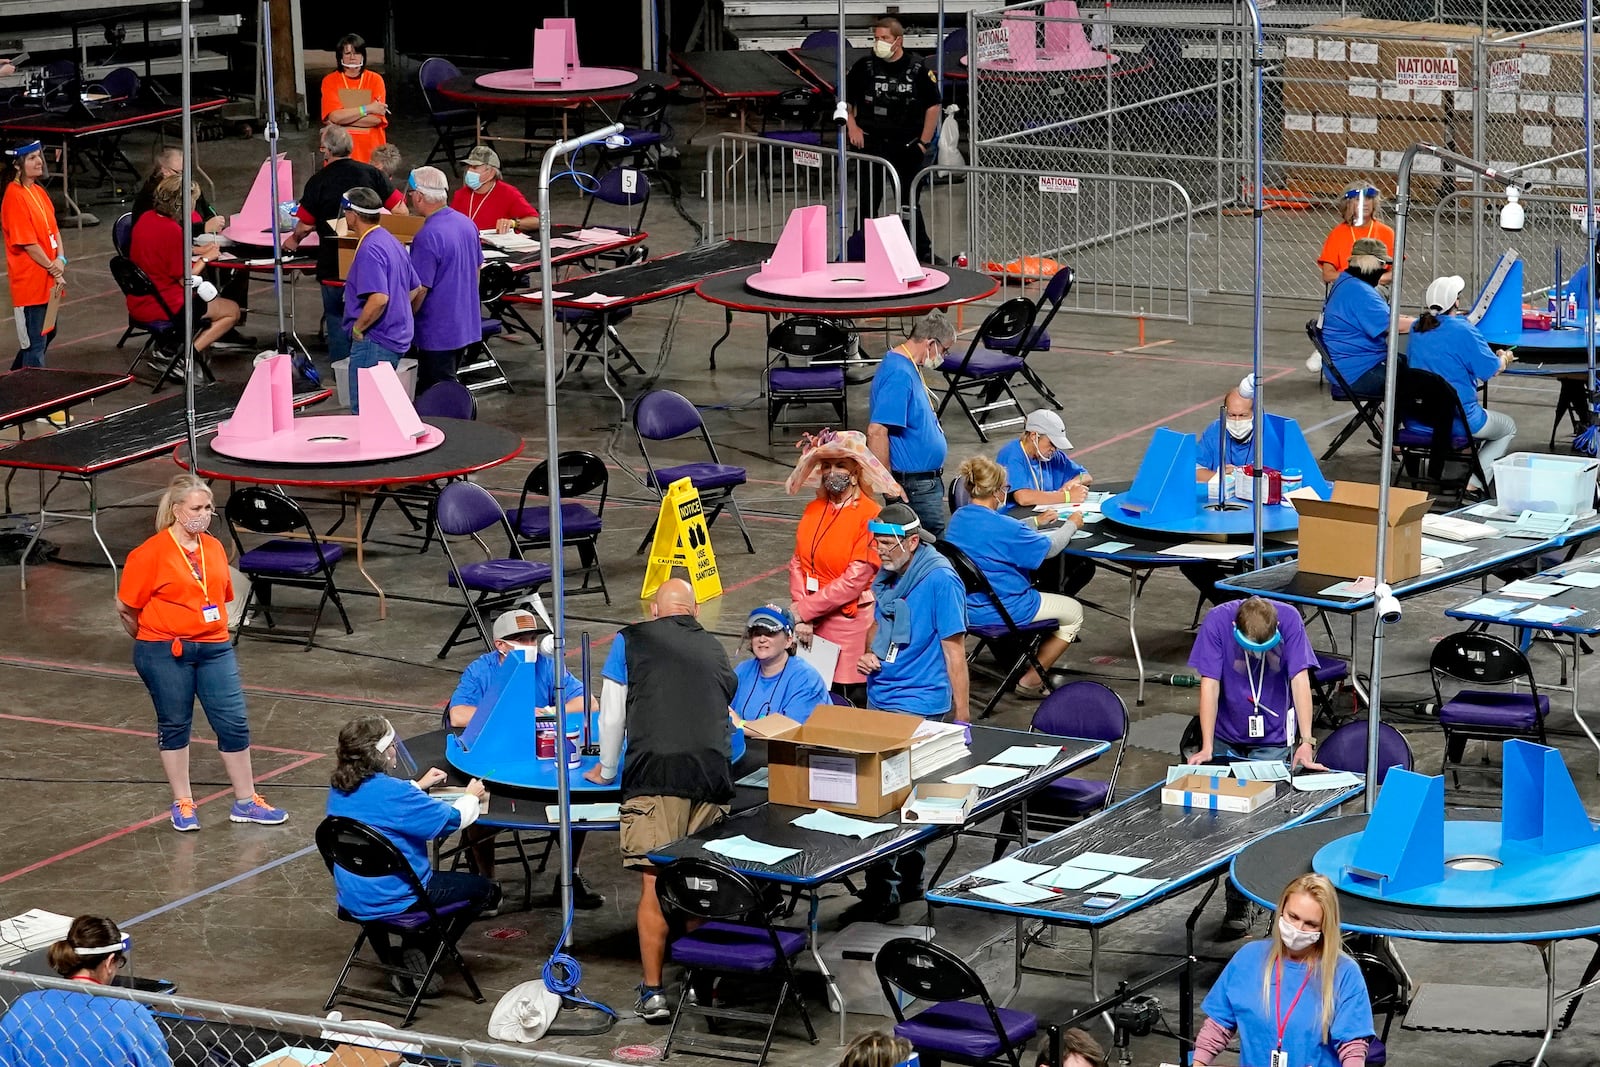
(1548,614)
(1488,605)
(829,822)
(1112,546)
(750,851)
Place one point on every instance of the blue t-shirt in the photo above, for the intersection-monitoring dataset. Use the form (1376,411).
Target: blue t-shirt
(1236,1002)
(1239,453)
(1355,326)
(1044,475)
(408,817)
(917,681)
(1217,655)
(1007,552)
(616,667)
(1456,352)
(446,254)
(480,672)
(900,402)
(795,691)
(382,266)
(65,1028)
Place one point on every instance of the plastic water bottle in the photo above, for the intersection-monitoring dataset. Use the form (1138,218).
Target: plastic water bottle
(1292,480)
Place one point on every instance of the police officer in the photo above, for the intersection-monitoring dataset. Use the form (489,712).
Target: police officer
(894,110)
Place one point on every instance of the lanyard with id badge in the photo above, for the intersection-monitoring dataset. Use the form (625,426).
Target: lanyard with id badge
(1279,1057)
(208,612)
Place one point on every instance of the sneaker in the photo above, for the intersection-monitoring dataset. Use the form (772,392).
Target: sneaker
(584,897)
(257,810)
(1314,362)
(652,1005)
(184,818)
(416,961)
(56,420)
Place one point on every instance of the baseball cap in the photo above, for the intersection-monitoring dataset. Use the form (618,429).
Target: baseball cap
(483,156)
(898,520)
(1047,422)
(1371,246)
(510,624)
(1444,292)
(770,618)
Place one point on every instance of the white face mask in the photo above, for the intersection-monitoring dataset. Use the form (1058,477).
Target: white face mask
(883,49)
(1240,429)
(1294,938)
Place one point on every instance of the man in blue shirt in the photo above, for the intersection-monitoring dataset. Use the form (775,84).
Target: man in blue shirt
(903,431)
(1355,320)
(377,291)
(446,253)
(1236,427)
(772,681)
(1038,469)
(915,663)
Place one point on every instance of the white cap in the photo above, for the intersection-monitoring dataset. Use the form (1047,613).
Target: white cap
(1444,292)
(1046,422)
(515,623)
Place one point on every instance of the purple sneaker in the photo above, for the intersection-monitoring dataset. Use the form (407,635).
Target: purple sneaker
(184,818)
(257,810)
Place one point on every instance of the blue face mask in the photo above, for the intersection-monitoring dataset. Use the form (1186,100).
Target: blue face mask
(473,179)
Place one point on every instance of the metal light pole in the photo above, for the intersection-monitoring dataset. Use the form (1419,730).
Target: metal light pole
(191,364)
(842,179)
(1258,61)
(1592,435)
(272,157)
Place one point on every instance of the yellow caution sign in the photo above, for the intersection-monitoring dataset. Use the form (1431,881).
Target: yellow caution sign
(682,540)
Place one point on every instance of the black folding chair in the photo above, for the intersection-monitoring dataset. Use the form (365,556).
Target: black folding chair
(1369,409)
(301,561)
(1025,637)
(1430,435)
(165,338)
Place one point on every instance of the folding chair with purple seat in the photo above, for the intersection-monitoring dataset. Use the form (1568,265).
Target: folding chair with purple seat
(817,348)
(1037,338)
(580,473)
(359,850)
(986,370)
(735,938)
(805,106)
(303,561)
(1346,749)
(1474,658)
(644,126)
(478,368)
(449,123)
(1326,677)
(466,509)
(1024,636)
(1081,708)
(1431,429)
(441,400)
(963,1023)
(663,415)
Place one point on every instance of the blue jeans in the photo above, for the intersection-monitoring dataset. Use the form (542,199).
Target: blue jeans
(333,323)
(208,670)
(366,353)
(925,494)
(1228,751)
(38,340)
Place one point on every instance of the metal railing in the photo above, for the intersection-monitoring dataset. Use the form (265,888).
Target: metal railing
(1126,237)
(751,184)
(1466,239)
(87,1023)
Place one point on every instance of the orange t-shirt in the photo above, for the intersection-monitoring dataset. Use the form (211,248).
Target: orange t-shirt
(362,139)
(159,581)
(1336,249)
(829,539)
(28,219)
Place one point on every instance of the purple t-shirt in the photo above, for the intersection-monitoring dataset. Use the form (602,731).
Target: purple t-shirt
(446,253)
(1217,655)
(382,266)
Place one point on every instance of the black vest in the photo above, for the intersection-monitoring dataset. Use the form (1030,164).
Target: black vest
(679,688)
(890,94)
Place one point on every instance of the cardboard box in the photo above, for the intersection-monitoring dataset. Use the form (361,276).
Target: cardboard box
(404,227)
(843,759)
(943,803)
(361,1056)
(1217,794)
(1338,536)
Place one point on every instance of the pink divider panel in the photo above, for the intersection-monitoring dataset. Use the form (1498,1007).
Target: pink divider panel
(890,257)
(549,57)
(803,245)
(1022,37)
(1066,46)
(253,224)
(799,265)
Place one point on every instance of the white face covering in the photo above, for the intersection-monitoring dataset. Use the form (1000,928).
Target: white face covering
(883,49)
(1294,938)
(1240,429)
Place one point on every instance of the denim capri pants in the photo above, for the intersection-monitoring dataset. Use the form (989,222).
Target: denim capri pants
(208,670)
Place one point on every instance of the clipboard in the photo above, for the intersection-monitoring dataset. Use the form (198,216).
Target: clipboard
(355,97)
(53,309)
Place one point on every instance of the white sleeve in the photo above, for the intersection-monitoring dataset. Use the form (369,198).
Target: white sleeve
(613,721)
(470,809)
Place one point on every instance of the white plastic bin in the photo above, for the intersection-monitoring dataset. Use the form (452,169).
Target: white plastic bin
(407,370)
(849,955)
(1538,481)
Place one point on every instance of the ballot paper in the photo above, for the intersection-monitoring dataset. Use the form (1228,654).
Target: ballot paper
(1314,783)
(1029,755)
(1103,861)
(1529,590)
(750,851)
(1217,550)
(756,779)
(1184,770)
(1260,770)
(1067,876)
(584,812)
(1488,605)
(987,776)
(595,235)
(538,294)
(1546,614)
(1111,546)
(1354,588)
(491,254)
(1579,579)
(1124,885)
(565,242)
(832,823)
(1443,549)
(596,298)
(1010,869)
(1014,892)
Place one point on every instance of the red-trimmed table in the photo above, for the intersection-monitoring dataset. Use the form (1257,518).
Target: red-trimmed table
(488,102)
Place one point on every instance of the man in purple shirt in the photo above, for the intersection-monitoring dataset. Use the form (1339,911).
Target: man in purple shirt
(1254,660)
(446,253)
(377,291)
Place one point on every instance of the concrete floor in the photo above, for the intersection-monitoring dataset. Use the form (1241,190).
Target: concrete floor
(244,914)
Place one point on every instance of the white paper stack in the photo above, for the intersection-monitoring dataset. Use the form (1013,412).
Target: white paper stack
(30,931)
(936,745)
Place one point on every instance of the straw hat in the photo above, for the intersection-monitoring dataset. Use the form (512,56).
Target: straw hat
(841,444)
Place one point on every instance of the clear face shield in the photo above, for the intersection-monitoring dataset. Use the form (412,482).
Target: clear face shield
(394,751)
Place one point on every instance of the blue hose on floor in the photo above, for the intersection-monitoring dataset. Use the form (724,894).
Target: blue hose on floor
(562,973)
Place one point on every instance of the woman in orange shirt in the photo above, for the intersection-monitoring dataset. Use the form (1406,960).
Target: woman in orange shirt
(35,262)
(1358,211)
(173,602)
(354,97)
(830,576)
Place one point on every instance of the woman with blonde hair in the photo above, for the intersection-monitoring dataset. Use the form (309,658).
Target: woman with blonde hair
(173,601)
(877,1049)
(1008,551)
(1262,992)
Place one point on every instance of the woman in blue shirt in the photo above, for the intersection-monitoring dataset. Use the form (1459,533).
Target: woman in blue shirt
(1008,552)
(364,789)
(772,682)
(1355,319)
(1295,993)
(66,1028)
(1443,342)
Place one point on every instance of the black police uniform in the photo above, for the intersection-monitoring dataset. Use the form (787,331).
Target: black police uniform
(891,101)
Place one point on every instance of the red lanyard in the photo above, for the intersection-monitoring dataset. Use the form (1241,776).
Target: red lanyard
(1277,999)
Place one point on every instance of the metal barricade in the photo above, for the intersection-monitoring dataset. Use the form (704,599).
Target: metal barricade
(751,184)
(81,1022)
(1126,237)
(1466,239)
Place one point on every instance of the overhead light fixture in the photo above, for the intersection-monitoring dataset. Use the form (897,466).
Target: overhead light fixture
(1511,216)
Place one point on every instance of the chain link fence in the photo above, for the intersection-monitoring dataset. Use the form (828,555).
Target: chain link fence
(50,1020)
